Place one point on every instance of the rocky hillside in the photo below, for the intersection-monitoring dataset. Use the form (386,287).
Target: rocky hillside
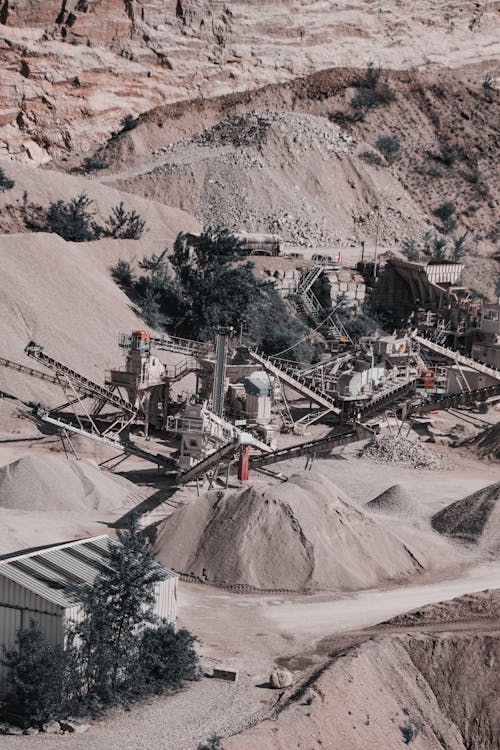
(65,61)
(407,688)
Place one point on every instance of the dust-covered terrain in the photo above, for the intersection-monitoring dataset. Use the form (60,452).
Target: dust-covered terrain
(341,127)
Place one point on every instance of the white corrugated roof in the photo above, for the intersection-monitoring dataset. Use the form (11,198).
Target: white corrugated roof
(53,572)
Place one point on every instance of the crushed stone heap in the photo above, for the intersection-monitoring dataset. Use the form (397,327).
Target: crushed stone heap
(391,449)
(395,499)
(298,536)
(54,483)
(474,519)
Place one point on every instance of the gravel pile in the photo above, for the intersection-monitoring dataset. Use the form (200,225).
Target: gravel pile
(53,483)
(247,173)
(474,519)
(255,129)
(395,499)
(303,535)
(392,449)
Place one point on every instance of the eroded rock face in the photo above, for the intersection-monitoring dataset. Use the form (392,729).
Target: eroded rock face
(463,674)
(66,61)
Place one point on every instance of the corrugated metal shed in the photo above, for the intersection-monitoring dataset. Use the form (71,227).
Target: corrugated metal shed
(38,585)
(52,572)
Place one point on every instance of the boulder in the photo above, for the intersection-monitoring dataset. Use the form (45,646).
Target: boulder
(281,678)
(51,727)
(74,727)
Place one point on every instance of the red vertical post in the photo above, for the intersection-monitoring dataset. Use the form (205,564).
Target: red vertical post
(243,463)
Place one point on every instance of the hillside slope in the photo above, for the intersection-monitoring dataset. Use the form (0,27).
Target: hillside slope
(60,295)
(58,58)
(405,688)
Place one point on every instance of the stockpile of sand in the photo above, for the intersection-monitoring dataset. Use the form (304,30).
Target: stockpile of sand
(394,449)
(474,519)
(395,499)
(54,483)
(297,536)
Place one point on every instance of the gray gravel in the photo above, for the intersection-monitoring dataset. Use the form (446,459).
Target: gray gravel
(176,722)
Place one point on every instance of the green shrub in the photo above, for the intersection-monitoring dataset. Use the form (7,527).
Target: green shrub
(446,212)
(124,225)
(73,221)
(93,163)
(390,146)
(410,249)
(128,122)
(5,182)
(459,247)
(372,90)
(123,275)
(488,86)
(40,681)
(168,658)
(213,743)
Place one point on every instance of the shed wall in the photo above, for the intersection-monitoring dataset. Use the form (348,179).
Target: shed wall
(166,599)
(18,606)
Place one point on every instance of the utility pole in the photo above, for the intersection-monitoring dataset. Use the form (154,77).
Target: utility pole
(377,209)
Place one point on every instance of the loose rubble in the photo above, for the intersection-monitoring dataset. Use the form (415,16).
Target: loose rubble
(391,449)
(243,148)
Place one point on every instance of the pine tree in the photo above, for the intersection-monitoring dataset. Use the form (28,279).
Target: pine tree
(116,609)
(124,225)
(74,221)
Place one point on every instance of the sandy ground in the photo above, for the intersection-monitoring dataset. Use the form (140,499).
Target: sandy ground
(251,632)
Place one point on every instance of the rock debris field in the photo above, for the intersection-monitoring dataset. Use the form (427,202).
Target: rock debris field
(394,449)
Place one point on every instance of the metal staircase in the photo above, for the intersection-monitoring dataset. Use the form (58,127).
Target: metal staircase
(179,371)
(311,309)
